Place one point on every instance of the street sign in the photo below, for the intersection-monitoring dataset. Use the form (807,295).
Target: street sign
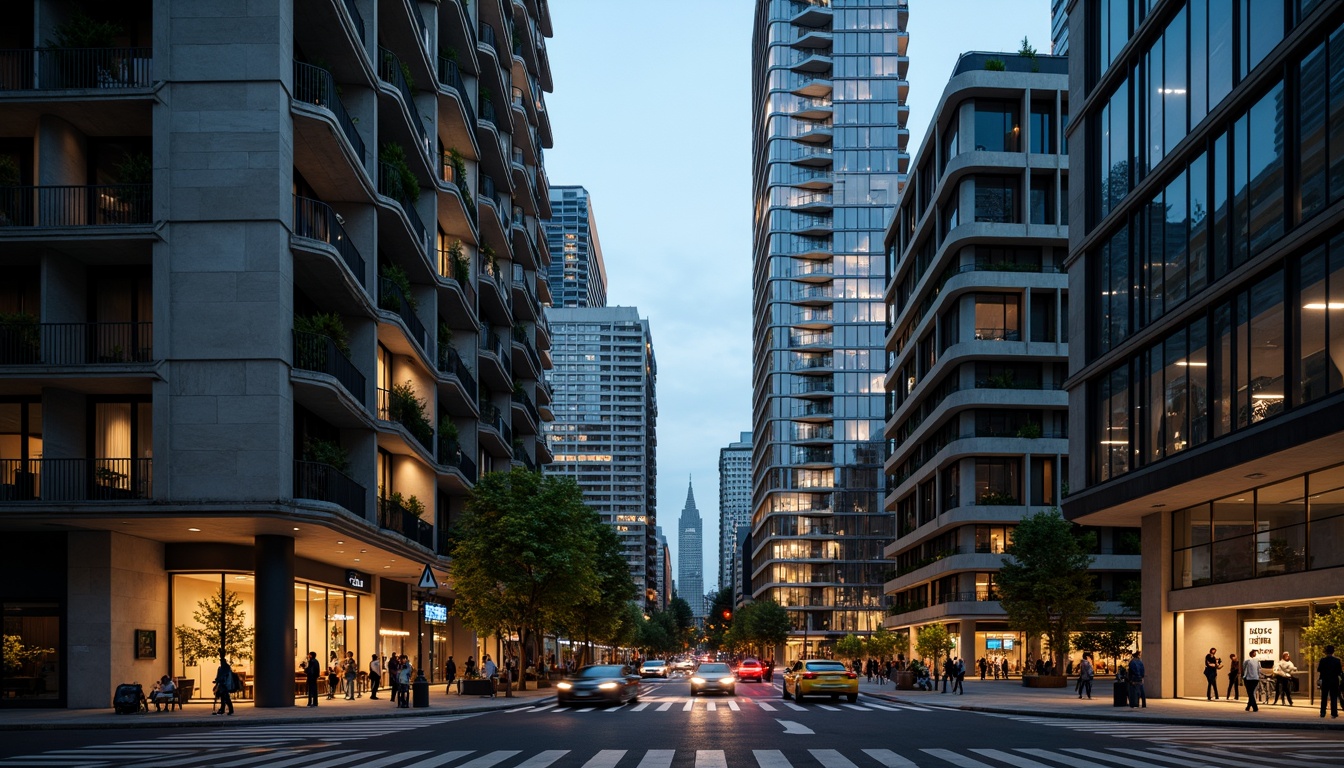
(427,580)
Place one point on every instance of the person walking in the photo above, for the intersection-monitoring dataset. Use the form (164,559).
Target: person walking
(1211,666)
(393,686)
(223,687)
(351,669)
(1250,673)
(1136,692)
(1233,678)
(375,677)
(984,667)
(960,677)
(333,675)
(312,669)
(403,683)
(1005,667)
(1085,674)
(471,667)
(1283,679)
(450,672)
(1330,672)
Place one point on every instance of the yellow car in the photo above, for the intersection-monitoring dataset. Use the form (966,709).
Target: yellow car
(820,677)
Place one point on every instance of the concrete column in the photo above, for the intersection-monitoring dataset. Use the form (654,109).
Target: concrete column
(274,648)
(966,645)
(1158,624)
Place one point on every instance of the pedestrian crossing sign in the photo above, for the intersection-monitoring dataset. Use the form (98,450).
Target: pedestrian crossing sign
(427,580)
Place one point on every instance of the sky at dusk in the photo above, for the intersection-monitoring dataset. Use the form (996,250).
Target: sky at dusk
(652,113)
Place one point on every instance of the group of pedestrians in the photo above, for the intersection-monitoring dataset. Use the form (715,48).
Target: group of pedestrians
(343,676)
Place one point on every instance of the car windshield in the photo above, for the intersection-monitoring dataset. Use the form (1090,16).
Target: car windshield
(825,666)
(653,663)
(605,670)
(751,663)
(713,669)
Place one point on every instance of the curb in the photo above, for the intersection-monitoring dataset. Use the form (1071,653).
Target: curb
(226,722)
(1113,716)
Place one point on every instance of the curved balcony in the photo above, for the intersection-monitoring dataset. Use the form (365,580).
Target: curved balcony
(811,340)
(390,186)
(815,109)
(316,142)
(526,417)
(323,482)
(814,156)
(457,293)
(495,434)
(457,116)
(811,179)
(815,295)
(526,361)
(318,353)
(814,226)
(817,86)
(814,37)
(102,71)
(814,387)
(456,204)
(405,422)
(495,364)
(392,299)
(457,385)
(496,298)
(67,480)
(812,457)
(814,134)
(451,455)
(75,206)
(813,318)
(321,245)
(397,519)
(26,342)
(814,203)
(812,61)
(812,13)
(812,364)
(392,74)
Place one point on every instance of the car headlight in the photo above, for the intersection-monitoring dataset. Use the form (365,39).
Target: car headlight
(563,686)
(697,681)
(607,686)
(725,680)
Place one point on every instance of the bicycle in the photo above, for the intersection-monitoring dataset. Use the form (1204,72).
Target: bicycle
(1264,692)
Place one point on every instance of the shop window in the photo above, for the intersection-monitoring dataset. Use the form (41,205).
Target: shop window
(31,670)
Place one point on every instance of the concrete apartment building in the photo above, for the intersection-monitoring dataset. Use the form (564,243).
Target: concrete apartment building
(578,275)
(734,501)
(1206,385)
(271,307)
(828,159)
(605,429)
(691,556)
(979,351)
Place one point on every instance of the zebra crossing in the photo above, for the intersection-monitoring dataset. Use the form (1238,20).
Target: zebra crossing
(1205,738)
(697,704)
(1003,757)
(221,746)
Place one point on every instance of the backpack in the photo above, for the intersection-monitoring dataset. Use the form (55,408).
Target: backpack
(235,683)
(127,698)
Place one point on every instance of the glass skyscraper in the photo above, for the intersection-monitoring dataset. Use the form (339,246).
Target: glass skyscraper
(829,154)
(577,276)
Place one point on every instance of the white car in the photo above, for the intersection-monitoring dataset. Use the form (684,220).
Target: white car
(654,668)
(686,664)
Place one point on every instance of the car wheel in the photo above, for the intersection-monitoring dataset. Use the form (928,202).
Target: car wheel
(852,698)
(798,696)
(784,692)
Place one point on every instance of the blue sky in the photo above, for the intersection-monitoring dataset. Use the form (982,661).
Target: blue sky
(652,113)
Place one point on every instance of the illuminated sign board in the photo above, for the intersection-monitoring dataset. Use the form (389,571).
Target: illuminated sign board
(436,613)
(1261,636)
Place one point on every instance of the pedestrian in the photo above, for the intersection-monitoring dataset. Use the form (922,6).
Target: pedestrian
(471,667)
(488,668)
(1250,673)
(984,667)
(1331,674)
(1233,678)
(1283,679)
(1211,666)
(1085,674)
(393,667)
(403,683)
(312,670)
(223,686)
(333,675)
(959,673)
(351,668)
(450,673)
(375,677)
(1136,692)
(1005,667)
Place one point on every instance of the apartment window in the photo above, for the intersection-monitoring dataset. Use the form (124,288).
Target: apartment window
(996,199)
(1043,317)
(950,479)
(997,126)
(997,317)
(1042,202)
(993,539)
(1042,129)
(951,143)
(997,481)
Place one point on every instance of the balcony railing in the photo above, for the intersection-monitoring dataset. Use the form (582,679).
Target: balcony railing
(389,71)
(493,418)
(392,299)
(390,409)
(314,85)
(451,76)
(315,220)
(88,205)
(315,352)
(57,69)
(487,36)
(24,342)
(451,455)
(998,334)
(451,363)
(521,397)
(520,456)
(488,112)
(394,517)
(389,185)
(76,479)
(324,482)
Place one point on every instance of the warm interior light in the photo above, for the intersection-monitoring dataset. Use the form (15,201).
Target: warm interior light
(394,633)
(1192,365)
(194,530)
(1266,396)
(1115,442)
(1326,305)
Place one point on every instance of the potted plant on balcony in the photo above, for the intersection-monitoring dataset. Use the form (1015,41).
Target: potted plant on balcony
(1031,430)
(75,41)
(20,338)
(409,410)
(311,353)
(328,452)
(135,173)
(401,182)
(457,262)
(395,277)
(459,166)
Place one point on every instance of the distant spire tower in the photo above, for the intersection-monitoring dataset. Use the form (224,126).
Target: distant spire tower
(690,555)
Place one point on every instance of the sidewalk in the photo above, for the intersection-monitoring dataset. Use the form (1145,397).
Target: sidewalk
(197,713)
(1011,698)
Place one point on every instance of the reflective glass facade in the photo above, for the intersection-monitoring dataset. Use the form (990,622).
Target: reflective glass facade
(828,162)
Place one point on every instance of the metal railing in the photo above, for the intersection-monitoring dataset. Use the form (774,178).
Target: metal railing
(520,456)
(389,185)
(76,479)
(487,36)
(24,342)
(451,455)
(810,363)
(389,71)
(323,482)
(391,298)
(396,518)
(450,75)
(394,410)
(316,86)
(493,418)
(315,220)
(86,205)
(488,112)
(451,363)
(56,69)
(521,397)
(315,352)
(998,334)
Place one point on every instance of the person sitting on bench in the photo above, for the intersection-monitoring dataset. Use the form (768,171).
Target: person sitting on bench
(165,692)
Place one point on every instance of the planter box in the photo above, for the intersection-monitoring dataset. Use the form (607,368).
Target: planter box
(905,680)
(1045,681)
(476,687)
(543,683)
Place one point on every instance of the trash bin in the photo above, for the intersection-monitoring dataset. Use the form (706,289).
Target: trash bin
(420,692)
(1120,694)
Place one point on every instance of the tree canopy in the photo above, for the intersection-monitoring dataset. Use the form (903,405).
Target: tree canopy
(761,626)
(1326,629)
(932,644)
(1044,584)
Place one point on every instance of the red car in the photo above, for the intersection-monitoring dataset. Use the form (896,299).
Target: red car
(750,669)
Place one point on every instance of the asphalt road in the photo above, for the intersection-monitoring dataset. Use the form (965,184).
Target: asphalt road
(669,729)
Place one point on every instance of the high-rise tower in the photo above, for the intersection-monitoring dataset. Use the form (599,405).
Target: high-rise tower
(734,501)
(577,276)
(690,556)
(829,157)
(1059,27)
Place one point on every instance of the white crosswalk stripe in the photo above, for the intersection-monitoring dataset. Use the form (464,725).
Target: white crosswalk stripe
(1211,742)
(1159,756)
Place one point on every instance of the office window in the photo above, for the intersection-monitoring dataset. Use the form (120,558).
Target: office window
(1267,145)
(1313,170)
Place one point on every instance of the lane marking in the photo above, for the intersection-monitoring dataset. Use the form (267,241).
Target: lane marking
(711,706)
(664,706)
(710,758)
(889,759)
(657,758)
(733,706)
(689,703)
(640,707)
(766,707)
(606,758)
(856,707)
(829,708)
(795,707)
(793,727)
(771,758)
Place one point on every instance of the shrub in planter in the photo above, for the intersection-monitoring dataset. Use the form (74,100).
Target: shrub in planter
(327,452)
(410,411)
(1029,430)
(20,337)
(996,65)
(393,274)
(327,324)
(80,32)
(402,183)
(457,261)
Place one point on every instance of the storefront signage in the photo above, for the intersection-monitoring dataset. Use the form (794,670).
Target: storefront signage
(1261,636)
(436,613)
(357,580)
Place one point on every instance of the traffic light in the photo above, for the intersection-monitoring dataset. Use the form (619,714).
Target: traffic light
(727,615)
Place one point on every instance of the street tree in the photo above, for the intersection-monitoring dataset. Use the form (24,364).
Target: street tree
(682,619)
(850,648)
(1044,584)
(524,554)
(605,614)
(770,626)
(932,644)
(881,643)
(719,619)
(1326,629)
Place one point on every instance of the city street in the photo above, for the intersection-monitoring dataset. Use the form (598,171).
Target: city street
(667,728)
